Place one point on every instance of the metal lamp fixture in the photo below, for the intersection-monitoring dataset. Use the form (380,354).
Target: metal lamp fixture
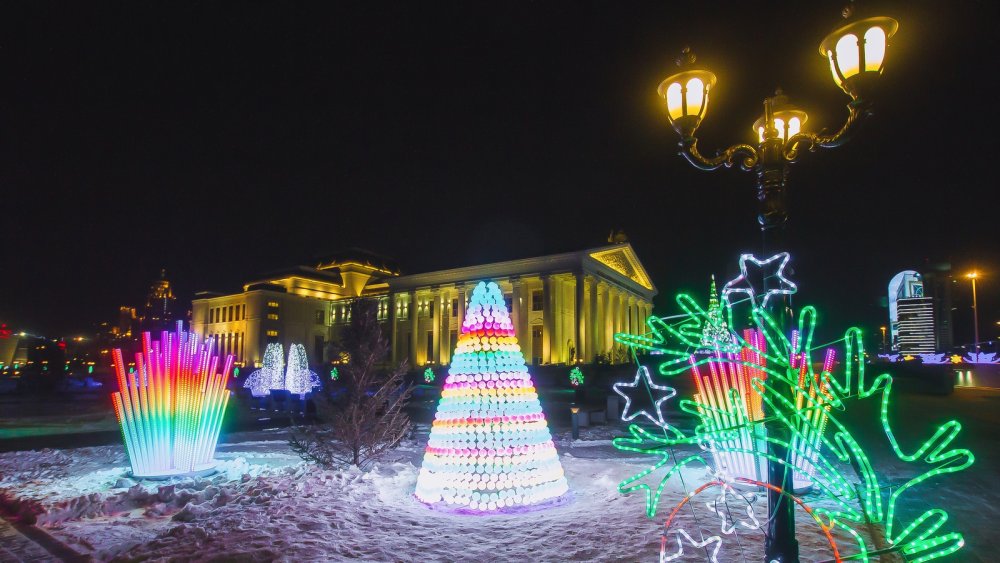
(856,52)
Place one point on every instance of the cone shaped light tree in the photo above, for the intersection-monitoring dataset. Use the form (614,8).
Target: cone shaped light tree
(490,447)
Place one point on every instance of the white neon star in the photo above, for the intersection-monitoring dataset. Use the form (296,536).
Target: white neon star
(753,523)
(742,285)
(668,393)
(680,547)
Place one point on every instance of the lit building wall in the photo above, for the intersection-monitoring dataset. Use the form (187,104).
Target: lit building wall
(916,325)
(563,306)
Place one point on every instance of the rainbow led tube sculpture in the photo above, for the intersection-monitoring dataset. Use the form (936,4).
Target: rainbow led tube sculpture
(170,409)
(732,412)
(490,447)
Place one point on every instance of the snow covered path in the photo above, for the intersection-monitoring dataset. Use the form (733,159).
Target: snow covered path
(265,504)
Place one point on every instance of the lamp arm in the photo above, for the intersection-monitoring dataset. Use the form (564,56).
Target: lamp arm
(727,158)
(813,141)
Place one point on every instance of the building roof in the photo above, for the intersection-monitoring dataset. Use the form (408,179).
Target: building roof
(617,262)
(358,257)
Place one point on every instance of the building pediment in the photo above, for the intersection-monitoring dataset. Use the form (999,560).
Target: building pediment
(622,259)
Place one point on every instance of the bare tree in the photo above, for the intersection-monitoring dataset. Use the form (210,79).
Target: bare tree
(361,415)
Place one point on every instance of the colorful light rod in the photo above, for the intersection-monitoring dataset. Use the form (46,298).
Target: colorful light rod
(171,408)
(490,447)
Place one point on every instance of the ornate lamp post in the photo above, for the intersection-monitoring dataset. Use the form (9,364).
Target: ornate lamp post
(856,54)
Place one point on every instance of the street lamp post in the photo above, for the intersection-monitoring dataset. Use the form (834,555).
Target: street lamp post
(856,55)
(882,328)
(975,311)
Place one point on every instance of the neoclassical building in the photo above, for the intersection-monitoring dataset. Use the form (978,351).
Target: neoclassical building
(565,307)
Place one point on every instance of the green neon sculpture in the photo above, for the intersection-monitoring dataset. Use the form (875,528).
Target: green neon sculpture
(816,415)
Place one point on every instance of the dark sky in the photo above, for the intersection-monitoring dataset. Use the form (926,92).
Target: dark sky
(220,140)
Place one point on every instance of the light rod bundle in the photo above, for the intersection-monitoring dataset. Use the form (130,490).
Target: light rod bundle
(171,408)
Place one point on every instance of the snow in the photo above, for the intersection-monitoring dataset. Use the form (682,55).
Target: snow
(265,503)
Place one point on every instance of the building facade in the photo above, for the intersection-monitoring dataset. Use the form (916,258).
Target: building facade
(565,307)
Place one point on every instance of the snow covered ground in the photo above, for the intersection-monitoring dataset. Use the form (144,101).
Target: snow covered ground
(266,504)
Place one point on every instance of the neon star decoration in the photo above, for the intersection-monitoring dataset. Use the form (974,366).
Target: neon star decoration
(490,448)
(742,283)
(171,408)
(779,373)
(642,381)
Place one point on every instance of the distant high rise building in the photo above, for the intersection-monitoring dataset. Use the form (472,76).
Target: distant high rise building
(158,314)
(911,315)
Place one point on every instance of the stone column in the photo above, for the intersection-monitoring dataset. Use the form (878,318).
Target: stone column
(434,311)
(444,347)
(633,312)
(515,311)
(591,321)
(547,318)
(579,322)
(461,306)
(411,310)
(599,319)
(558,352)
(394,326)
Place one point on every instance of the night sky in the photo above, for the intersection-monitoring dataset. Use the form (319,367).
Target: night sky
(221,140)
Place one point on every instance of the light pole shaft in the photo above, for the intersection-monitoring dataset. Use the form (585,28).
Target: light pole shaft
(975,317)
(780,544)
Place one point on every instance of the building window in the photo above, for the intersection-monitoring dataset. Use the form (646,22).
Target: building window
(320,317)
(431,305)
(230,314)
(536,300)
(430,347)
(272,333)
(272,304)
(272,316)
(243,312)
(454,307)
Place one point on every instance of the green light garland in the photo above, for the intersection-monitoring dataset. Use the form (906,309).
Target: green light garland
(810,405)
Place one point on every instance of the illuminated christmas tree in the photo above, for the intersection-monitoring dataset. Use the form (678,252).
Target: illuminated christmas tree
(490,446)
(716,332)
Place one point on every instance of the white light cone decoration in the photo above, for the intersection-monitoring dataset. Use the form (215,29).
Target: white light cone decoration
(271,376)
(299,380)
(490,447)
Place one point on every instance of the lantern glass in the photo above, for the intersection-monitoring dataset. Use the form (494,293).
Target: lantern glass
(848,55)
(874,49)
(675,101)
(696,96)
